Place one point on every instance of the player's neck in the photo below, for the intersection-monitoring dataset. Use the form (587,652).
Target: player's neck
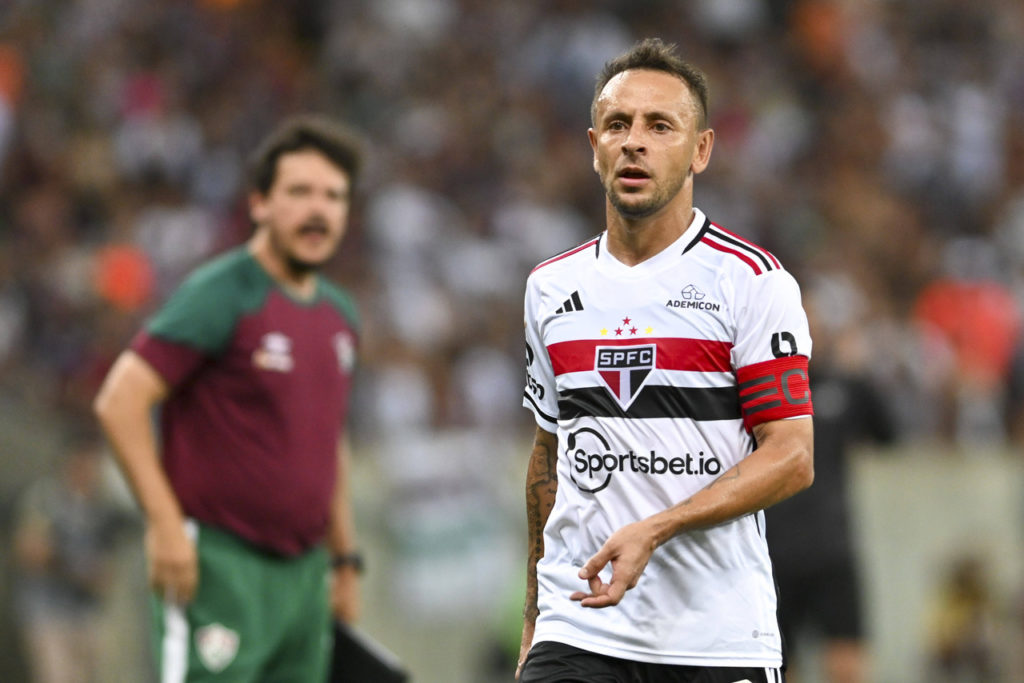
(299,284)
(633,241)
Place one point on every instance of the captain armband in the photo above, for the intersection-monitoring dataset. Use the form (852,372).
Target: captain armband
(774,390)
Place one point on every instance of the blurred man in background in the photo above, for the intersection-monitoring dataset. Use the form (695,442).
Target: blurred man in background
(667,373)
(963,629)
(251,363)
(813,548)
(64,537)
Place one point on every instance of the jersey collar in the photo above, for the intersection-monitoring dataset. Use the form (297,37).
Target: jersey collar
(667,257)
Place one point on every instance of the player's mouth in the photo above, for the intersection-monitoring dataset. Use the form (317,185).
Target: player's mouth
(314,229)
(633,176)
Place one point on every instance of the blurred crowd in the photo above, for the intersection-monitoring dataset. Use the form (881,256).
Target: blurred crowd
(876,147)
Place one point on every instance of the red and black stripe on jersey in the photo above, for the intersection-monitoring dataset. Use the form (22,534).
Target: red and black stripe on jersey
(592,242)
(772,390)
(695,403)
(715,236)
(653,401)
(706,355)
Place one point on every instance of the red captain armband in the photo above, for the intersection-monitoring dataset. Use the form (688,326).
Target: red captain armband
(774,390)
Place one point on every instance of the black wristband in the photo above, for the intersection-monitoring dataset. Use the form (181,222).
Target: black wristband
(353,559)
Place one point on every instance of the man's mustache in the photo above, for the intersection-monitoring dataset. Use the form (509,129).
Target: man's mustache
(314,226)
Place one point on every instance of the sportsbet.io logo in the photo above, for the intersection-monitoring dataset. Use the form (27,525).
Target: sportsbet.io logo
(593,462)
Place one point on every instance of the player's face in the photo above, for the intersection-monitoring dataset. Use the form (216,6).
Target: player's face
(305,211)
(646,141)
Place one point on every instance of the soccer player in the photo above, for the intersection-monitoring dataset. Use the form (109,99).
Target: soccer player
(667,373)
(245,498)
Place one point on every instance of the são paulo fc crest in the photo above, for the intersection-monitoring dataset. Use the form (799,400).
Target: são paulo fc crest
(625,369)
(217,646)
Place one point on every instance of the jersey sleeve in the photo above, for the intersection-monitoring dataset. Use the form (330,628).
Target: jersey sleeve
(195,323)
(540,395)
(198,314)
(772,350)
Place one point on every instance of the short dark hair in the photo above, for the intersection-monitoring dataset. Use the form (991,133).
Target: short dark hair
(336,142)
(656,55)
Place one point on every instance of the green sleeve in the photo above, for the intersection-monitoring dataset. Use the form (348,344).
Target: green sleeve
(204,310)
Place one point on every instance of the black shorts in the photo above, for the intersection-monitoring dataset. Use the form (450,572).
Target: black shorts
(826,601)
(550,662)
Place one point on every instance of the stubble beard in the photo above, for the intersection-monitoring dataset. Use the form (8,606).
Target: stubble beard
(640,210)
(648,207)
(296,266)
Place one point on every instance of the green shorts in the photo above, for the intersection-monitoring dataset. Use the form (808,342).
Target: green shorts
(255,617)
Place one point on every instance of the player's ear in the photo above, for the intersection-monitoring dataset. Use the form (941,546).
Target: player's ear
(257,207)
(702,152)
(592,136)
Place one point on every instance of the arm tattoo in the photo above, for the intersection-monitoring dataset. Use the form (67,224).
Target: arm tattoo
(541,486)
(734,473)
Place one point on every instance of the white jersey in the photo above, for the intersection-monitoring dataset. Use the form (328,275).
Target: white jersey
(652,376)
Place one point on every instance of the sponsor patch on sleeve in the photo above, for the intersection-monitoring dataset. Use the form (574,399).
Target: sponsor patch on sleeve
(774,390)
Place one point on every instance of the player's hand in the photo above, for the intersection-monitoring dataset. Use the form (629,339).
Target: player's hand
(173,563)
(345,603)
(628,550)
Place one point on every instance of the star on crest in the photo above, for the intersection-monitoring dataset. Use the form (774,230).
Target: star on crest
(628,325)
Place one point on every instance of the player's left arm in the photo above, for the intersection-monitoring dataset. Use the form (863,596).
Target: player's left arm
(346,562)
(781,465)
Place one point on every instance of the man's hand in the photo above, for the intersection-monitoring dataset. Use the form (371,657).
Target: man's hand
(345,604)
(173,563)
(628,550)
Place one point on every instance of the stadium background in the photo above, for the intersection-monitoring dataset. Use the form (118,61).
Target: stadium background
(875,146)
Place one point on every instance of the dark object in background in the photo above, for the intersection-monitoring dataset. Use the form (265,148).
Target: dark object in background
(357,658)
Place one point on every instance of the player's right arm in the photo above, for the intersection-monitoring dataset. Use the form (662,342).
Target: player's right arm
(124,407)
(541,486)
(540,396)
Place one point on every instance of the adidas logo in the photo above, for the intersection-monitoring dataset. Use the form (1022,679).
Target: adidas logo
(571,304)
